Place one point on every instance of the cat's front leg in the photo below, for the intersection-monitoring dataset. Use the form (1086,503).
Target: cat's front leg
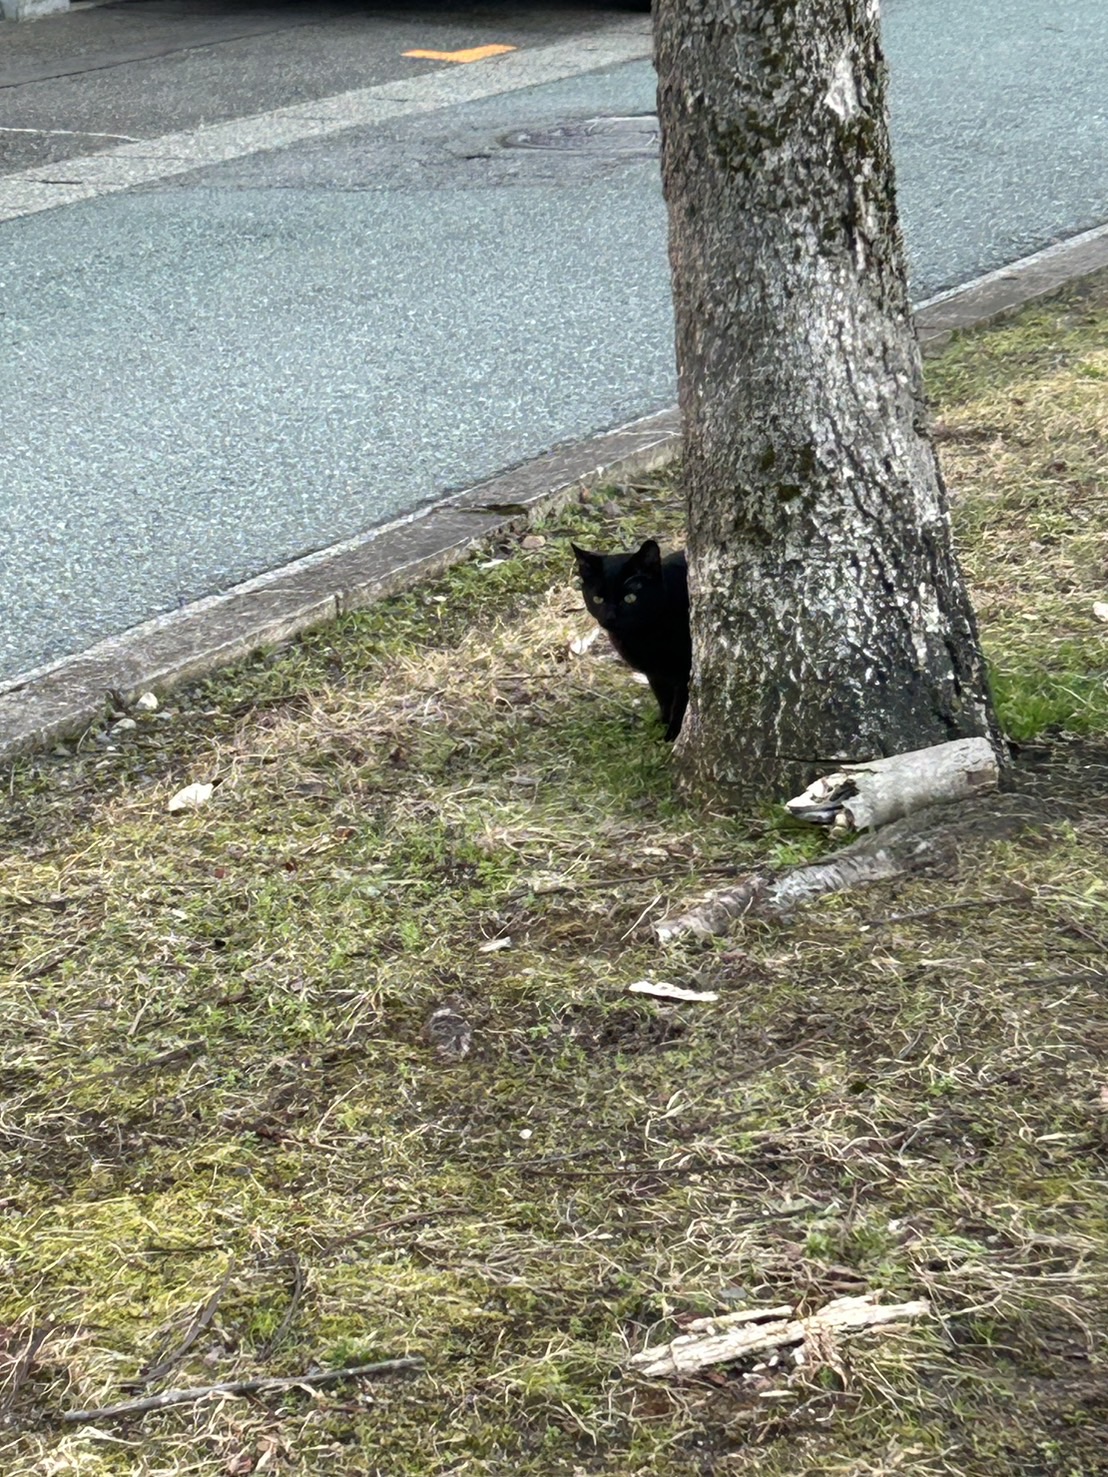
(676,714)
(662,688)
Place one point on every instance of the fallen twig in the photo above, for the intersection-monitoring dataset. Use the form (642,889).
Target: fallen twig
(923,841)
(23,1364)
(240,1387)
(413,1218)
(723,1340)
(298,1284)
(775,895)
(195,1329)
(1024,896)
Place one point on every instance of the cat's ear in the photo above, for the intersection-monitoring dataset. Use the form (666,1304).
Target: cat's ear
(649,557)
(586,561)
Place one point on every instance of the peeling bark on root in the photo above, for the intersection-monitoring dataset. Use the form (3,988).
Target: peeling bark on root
(900,849)
(862,797)
(723,1340)
(928,840)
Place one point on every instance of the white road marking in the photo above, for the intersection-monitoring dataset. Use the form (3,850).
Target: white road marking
(148,160)
(70,133)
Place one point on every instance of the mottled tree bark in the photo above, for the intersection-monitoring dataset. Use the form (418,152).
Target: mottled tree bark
(830,619)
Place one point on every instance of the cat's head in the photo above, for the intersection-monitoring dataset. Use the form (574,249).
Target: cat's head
(621,590)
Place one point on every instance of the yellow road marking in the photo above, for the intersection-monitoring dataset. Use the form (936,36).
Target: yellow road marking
(474,54)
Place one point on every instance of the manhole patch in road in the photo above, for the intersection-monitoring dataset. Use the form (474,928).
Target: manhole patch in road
(634,136)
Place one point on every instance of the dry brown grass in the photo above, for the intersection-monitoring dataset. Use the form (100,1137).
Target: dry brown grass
(231,1147)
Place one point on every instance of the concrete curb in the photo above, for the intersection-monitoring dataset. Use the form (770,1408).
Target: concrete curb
(29,10)
(997,294)
(39,708)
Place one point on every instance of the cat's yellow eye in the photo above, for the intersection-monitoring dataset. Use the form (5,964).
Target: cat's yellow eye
(630,598)
(596,599)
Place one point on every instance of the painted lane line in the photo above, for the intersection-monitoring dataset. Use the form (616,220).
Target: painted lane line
(128,138)
(474,54)
(27,192)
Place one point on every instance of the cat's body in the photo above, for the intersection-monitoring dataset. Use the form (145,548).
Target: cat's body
(642,601)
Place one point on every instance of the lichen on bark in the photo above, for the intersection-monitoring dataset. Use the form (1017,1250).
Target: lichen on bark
(830,620)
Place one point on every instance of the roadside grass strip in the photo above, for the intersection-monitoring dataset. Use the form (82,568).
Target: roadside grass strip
(339,1064)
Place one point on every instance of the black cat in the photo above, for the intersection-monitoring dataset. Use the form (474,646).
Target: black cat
(642,601)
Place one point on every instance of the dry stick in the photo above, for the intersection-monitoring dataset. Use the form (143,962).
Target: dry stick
(298,1284)
(866,796)
(974,902)
(239,1387)
(412,1219)
(723,1340)
(196,1328)
(23,1367)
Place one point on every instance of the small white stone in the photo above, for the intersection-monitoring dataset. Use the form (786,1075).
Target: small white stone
(124,725)
(147,703)
(190,798)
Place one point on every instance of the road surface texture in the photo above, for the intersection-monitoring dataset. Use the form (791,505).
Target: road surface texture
(222,350)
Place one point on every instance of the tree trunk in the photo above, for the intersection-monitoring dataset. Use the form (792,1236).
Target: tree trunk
(830,619)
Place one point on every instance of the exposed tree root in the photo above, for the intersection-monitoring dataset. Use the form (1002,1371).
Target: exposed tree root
(926,841)
(861,797)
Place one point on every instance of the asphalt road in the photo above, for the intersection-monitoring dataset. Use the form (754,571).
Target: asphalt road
(207,371)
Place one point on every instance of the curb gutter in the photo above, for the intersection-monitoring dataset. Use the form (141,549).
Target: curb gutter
(39,708)
(997,294)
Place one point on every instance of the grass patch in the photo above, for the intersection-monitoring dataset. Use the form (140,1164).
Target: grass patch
(1024,439)
(232,1143)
